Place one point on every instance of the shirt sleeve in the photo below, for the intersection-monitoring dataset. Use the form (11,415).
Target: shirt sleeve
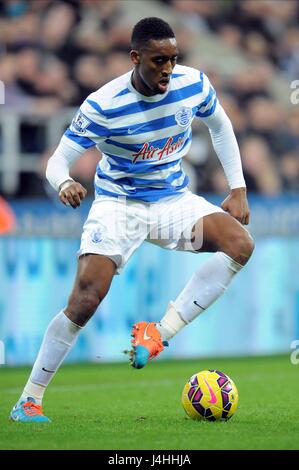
(89,126)
(60,162)
(208,102)
(226,146)
(87,129)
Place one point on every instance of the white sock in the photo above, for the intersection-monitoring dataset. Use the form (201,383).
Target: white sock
(170,324)
(59,338)
(206,285)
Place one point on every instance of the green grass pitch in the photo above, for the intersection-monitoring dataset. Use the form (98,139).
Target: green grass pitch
(112,406)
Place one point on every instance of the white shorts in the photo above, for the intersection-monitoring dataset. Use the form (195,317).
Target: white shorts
(116,227)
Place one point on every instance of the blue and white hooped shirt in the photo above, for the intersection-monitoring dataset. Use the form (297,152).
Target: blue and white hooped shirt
(142,139)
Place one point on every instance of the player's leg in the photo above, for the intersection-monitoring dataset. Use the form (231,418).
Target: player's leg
(233,246)
(94,276)
(210,230)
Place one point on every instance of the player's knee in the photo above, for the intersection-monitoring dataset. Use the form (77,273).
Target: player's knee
(241,247)
(247,245)
(84,301)
(89,300)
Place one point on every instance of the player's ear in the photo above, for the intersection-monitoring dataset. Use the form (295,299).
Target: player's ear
(135,57)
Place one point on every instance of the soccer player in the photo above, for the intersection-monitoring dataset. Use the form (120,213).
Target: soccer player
(141,122)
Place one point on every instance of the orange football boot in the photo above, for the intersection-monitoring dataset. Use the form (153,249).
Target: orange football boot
(147,343)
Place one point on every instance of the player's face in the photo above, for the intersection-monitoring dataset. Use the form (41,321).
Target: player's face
(154,65)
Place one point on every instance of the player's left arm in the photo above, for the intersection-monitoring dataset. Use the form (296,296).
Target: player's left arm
(236,204)
(227,149)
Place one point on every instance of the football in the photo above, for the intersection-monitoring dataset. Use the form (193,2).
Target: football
(210,395)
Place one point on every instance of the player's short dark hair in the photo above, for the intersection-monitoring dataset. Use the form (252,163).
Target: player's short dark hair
(150,28)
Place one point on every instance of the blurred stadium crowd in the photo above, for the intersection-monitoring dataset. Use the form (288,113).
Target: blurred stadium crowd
(54,53)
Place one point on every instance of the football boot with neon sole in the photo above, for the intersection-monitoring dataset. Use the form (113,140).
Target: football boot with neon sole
(28,412)
(147,344)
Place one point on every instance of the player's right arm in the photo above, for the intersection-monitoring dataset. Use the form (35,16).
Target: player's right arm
(58,174)
(88,128)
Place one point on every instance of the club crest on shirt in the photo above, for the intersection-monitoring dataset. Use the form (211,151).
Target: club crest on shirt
(97,235)
(183,116)
(79,123)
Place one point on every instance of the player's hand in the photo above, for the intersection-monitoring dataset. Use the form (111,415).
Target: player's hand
(236,205)
(71,193)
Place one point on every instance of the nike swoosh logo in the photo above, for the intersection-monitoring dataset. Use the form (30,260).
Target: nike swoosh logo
(50,371)
(145,335)
(212,394)
(131,131)
(197,305)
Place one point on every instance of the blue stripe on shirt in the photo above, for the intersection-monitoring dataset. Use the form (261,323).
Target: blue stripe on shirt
(99,130)
(122,92)
(80,140)
(149,126)
(146,194)
(209,111)
(138,167)
(153,143)
(208,98)
(137,182)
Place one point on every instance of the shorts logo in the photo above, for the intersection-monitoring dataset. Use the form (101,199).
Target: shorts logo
(80,123)
(97,236)
(183,116)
